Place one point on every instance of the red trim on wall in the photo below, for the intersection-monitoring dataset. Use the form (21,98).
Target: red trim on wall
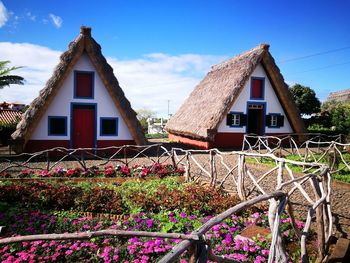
(229,140)
(192,142)
(108,143)
(40,145)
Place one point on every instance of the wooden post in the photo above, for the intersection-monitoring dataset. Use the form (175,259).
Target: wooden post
(48,161)
(277,250)
(173,157)
(211,168)
(125,156)
(187,168)
(240,179)
(192,251)
(319,221)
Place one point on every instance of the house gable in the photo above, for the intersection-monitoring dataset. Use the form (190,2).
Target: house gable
(83,45)
(61,105)
(227,88)
(272,105)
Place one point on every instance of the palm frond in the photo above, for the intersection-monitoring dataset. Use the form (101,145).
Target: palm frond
(11,79)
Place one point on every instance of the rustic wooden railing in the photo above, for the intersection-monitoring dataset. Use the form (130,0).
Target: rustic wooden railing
(60,156)
(289,143)
(237,172)
(246,179)
(319,148)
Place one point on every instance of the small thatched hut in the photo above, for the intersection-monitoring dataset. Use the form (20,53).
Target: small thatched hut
(245,94)
(82,104)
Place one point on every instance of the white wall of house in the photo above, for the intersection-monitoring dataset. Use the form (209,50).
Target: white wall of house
(272,105)
(61,106)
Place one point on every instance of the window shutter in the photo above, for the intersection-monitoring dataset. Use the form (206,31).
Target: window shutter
(268,120)
(243,119)
(229,119)
(280,121)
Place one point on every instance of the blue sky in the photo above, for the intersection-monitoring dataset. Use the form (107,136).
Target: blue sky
(161,49)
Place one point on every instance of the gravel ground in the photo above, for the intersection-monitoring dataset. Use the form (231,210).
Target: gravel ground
(340,195)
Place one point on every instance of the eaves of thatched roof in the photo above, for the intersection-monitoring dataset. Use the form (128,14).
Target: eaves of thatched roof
(208,104)
(84,43)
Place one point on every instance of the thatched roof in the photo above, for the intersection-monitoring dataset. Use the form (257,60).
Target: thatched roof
(208,104)
(342,95)
(83,44)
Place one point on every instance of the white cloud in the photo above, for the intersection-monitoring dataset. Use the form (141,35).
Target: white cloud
(3,15)
(148,82)
(56,20)
(31,16)
(38,63)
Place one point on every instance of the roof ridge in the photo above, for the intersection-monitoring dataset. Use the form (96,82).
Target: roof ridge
(224,64)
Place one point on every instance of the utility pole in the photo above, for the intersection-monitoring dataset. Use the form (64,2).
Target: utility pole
(168,108)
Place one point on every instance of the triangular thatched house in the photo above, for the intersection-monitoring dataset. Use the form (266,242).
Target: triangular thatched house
(82,105)
(245,94)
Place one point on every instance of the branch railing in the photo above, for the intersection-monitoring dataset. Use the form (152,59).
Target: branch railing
(242,177)
(280,184)
(318,148)
(52,158)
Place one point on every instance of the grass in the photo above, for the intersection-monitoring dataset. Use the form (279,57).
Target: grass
(156,136)
(343,175)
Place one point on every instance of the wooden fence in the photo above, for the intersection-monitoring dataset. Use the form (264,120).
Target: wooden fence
(235,172)
(245,179)
(318,148)
(85,158)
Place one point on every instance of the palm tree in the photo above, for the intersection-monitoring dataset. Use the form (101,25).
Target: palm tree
(5,78)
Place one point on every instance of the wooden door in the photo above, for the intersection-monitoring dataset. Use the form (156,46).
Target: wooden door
(256,123)
(83,126)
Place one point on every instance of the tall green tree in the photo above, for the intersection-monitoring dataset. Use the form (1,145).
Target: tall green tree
(6,78)
(305,99)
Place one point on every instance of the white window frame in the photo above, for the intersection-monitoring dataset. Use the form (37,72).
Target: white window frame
(236,119)
(273,121)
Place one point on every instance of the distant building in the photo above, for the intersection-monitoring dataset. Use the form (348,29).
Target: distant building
(8,116)
(16,106)
(156,125)
(341,96)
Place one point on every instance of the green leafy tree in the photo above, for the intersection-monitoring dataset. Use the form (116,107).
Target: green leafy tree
(6,78)
(338,114)
(305,99)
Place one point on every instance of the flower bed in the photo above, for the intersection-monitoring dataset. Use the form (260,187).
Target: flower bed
(224,237)
(148,196)
(162,205)
(157,169)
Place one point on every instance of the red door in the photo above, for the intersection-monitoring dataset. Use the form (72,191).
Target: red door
(83,133)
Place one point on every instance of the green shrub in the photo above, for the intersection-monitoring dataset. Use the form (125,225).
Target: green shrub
(5,132)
